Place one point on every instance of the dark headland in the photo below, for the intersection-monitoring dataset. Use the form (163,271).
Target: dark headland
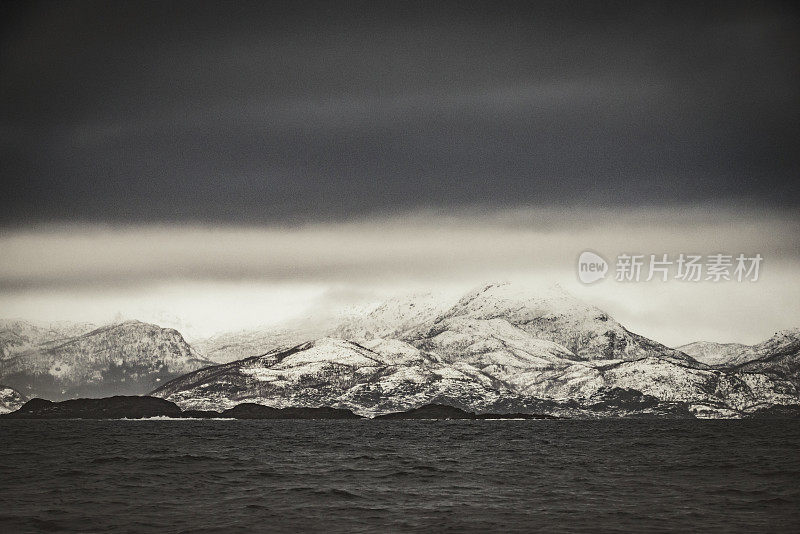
(139,407)
(117,407)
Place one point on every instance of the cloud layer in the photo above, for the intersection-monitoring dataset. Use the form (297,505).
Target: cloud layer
(265,273)
(309,112)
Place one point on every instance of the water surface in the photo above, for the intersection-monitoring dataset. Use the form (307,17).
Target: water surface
(399,476)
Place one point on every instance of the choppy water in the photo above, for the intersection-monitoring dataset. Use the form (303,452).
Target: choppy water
(421,476)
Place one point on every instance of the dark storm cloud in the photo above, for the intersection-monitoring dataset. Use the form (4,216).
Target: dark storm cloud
(253,112)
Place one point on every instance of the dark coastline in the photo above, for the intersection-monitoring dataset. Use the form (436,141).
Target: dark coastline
(144,406)
(141,407)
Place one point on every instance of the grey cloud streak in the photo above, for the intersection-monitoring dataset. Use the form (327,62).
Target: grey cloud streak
(422,247)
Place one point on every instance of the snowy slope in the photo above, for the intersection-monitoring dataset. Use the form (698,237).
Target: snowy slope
(338,373)
(672,382)
(399,317)
(231,346)
(778,354)
(126,358)
(18,336)
(10,399)
(333,372)
(715,354)
(778,357)
(499,348)
(390,319)
(555,315)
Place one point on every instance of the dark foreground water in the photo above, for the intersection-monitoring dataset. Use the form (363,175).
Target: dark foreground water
(419,476)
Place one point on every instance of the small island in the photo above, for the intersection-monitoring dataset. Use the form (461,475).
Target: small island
(117,407)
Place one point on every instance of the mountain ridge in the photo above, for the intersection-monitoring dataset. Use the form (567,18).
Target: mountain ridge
(498,348)
(130,357)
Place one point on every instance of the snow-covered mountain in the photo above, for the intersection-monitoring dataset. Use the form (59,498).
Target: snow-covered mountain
(10,399)
(18,336)
(396,376)
(398,317)
(337,373)
(499,348)
(778,356)
(715,354)
(390,319)
(125,358)
(231,346)
(557,316)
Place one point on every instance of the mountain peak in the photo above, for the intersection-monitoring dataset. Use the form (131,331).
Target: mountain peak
(782,339)
(512,301)
(331,343)
(130,357)
(329,350)
(793,333)
(553,314)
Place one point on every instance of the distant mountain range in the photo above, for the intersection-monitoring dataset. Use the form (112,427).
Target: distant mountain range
(766,356)
(18,336)
(129,358)
(500,348)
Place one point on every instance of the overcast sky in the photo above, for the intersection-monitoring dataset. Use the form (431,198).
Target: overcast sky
(164,148)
